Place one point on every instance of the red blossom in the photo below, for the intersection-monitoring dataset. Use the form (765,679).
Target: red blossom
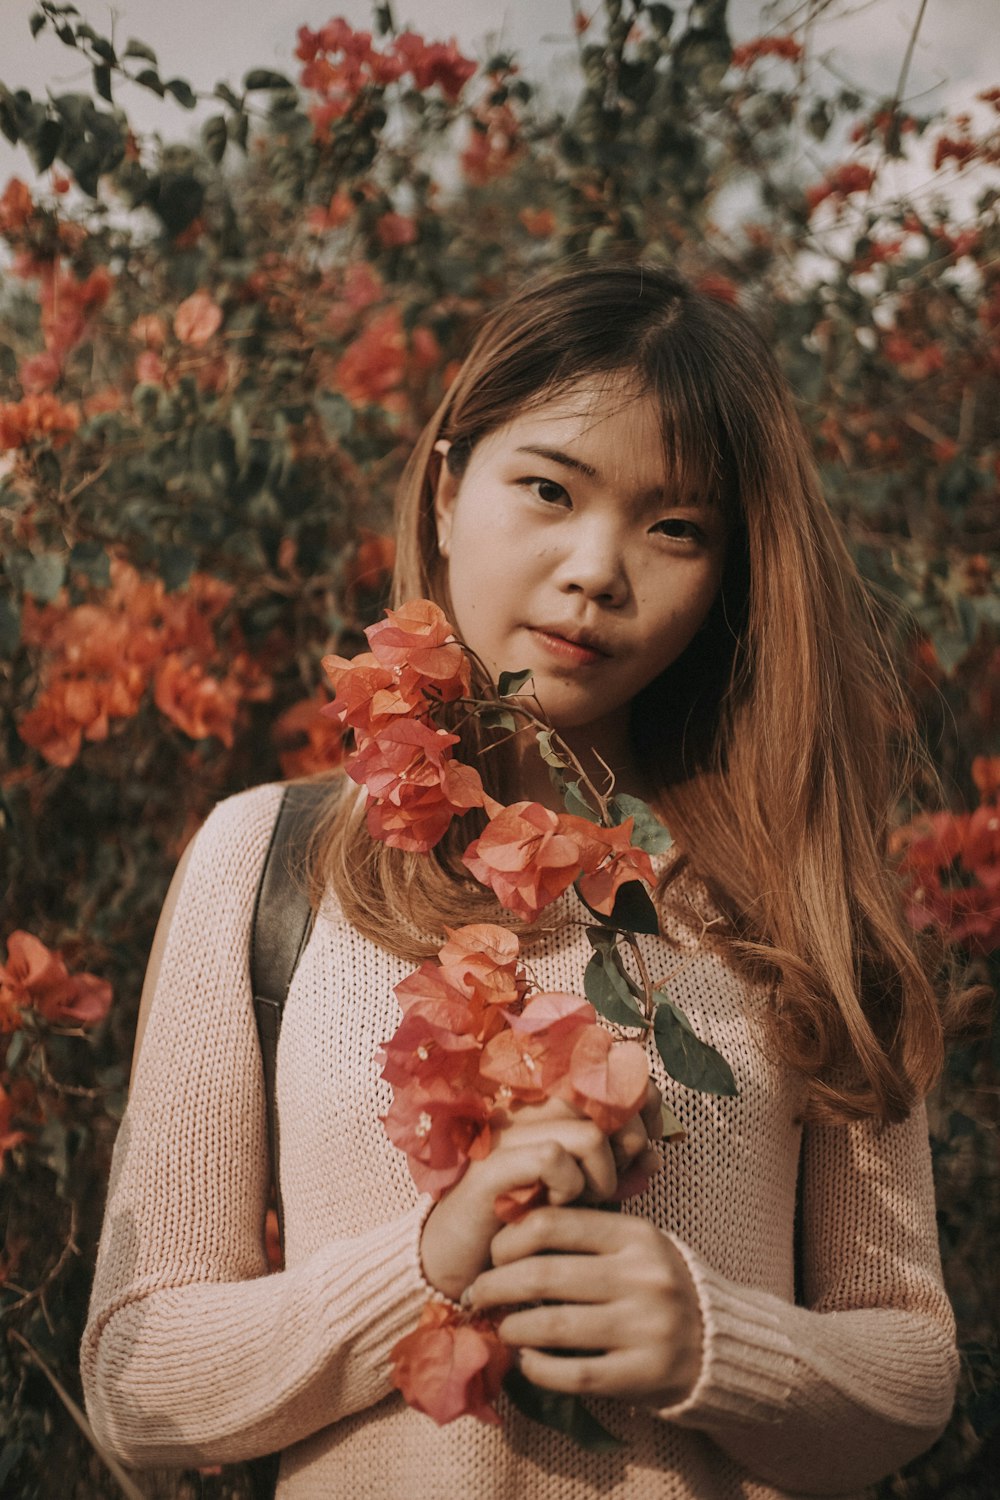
(441,1129)
(37,977)
(394,229)
(430,63)
(852,177)
(786,47)
(373,366)
(451,1365)
(16,206)
(35,419)
(528,855)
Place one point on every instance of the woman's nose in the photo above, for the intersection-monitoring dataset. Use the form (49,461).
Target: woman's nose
(594,565)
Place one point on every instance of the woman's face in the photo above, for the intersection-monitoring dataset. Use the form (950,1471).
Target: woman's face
(568,554)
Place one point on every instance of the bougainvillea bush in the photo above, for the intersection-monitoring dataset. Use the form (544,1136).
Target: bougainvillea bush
(217,347)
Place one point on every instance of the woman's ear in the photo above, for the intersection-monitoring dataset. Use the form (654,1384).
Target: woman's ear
(445,494)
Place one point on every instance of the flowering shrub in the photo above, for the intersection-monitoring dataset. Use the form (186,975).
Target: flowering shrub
(206,396)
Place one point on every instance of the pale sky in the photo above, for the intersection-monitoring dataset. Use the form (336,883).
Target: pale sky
(204,41)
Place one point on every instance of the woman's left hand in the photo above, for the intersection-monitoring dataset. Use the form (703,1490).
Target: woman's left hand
(608,1287)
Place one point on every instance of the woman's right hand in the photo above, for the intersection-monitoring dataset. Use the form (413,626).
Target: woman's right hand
(552,1144)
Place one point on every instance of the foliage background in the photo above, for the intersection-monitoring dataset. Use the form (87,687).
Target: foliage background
(216,350)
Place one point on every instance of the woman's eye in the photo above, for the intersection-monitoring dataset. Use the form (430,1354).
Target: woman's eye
(547,490)
(678,530)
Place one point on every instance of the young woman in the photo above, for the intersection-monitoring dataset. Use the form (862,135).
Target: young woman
(617,495)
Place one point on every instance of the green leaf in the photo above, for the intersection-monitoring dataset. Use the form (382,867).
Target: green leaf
(648,832)
(215,138)
(43,144)
(102,82)
(606,984)
(224,92)
(139,49)
(549,753)
(10,628)
(576,802)
(634,909)
(44,576)
(150,79)
(37,22)
(182,92)
(17,1049)
(498,718)
(512,682)
(565,1414)
(264,78)
(685,1056)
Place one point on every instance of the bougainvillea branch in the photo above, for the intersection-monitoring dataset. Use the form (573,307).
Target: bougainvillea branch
(476,1042)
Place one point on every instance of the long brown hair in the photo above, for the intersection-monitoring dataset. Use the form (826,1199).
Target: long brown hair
(779,743)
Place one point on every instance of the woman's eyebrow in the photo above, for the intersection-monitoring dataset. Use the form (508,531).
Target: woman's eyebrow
(556,456)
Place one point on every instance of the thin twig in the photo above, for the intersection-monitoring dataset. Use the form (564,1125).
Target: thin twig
(128,1487)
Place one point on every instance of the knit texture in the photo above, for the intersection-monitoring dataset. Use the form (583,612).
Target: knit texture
(194,1354)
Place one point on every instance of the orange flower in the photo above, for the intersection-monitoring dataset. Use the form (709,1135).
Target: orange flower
(482,960)
(421,637)
(529,855)
(309,740)
(414,787)
(367,695)
(435,1039)
(197,319)
(16,206)
(621,864)
(371,566)
(149,329)
(40,373)
(36,418)
(532,1058)
(36,976)
(198,703)
(434,62)
(373,366)
(451,1366)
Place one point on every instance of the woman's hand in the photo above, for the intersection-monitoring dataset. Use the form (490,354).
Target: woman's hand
(552,1144)
(608,1287)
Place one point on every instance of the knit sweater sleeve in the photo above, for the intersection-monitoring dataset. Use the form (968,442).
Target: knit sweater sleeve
(828,1397)
(192,1352)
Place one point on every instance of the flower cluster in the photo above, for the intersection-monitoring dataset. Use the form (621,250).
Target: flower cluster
(785,47)
(839,184)
(473,1043)
(340,62)
(415,786)
(950,863)
(471,1046)
(101,658)
(36,978)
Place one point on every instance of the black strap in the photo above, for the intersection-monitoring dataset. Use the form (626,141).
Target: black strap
(282,922)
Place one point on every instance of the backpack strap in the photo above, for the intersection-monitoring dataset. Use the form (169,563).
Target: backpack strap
(282,921)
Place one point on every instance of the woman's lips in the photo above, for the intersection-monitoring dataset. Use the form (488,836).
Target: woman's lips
(576,653)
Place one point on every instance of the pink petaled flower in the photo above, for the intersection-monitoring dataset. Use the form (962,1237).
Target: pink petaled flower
(441,1129)
(606,1078)
(420,636)
(435,1039)
(451,1366)
(414,786)
(481,960)
(622,863)
(529,855)
(532,1058)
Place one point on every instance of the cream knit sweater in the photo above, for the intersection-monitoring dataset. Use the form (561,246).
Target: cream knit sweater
(193,1354)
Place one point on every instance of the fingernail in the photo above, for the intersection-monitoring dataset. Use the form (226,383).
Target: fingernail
(465,1301)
